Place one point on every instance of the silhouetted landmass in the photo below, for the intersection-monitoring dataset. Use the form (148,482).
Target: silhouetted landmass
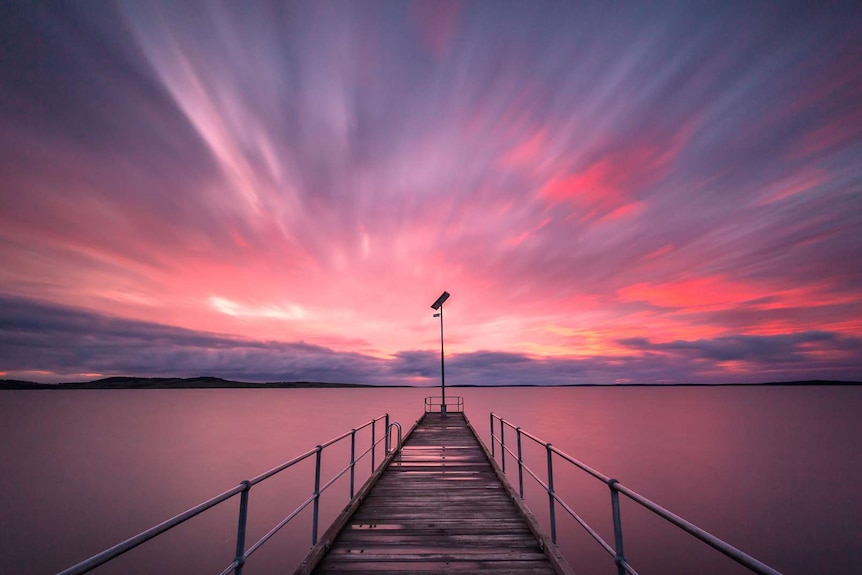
(167,383)
(219,383)
(737,384)
(17,384)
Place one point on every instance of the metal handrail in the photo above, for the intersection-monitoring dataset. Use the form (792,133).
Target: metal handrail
(616,488)
(389,437)
(457,402)
(244,488)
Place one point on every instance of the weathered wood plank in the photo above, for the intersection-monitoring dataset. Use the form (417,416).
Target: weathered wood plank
(461,567)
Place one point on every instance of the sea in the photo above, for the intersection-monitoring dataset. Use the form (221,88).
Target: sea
(773,470)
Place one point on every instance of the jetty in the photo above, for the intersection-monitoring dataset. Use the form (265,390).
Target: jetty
(436,501)
(440,505)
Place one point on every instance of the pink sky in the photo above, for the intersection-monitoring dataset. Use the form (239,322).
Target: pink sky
(610,196)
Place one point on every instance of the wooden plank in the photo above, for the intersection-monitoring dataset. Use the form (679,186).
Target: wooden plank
(439,506)
(461,567)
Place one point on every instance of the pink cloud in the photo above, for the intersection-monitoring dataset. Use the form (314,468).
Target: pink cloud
(322,180)
(795,184)
(528,152)
(839,131)
(612,184)
(437,22)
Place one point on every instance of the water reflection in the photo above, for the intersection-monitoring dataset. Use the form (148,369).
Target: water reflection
(764,468)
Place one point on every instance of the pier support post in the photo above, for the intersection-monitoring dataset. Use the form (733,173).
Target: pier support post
(316,512)
(520,465)
(552,514)
(619,557)
(492,433)
(352,460)
(240,529)
(503,444)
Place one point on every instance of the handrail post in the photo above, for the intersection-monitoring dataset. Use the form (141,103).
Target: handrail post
(373,443)
(397,445)
(520,465)
(619,558)
(352,459)
(503,444)
(552,511)
(316,511)
(492,434)
(386,443)
(240,529)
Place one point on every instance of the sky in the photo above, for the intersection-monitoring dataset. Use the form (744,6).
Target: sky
(611,192)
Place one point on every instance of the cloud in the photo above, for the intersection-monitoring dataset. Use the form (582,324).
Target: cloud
(437,23)
(781,353)
(56,341)
(53,343)
(314,172)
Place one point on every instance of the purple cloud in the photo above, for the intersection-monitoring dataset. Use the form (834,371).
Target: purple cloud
(54,343)
(311,172)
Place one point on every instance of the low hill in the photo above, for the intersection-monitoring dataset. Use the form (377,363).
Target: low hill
(167,383)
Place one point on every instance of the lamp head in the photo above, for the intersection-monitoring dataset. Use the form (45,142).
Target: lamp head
(443,297)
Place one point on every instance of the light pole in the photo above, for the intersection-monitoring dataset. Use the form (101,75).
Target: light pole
(438,305)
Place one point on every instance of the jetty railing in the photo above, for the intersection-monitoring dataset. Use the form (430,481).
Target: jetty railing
(454,404)
(554,500)
(244,490)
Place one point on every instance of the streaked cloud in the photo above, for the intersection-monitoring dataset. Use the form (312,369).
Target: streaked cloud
(577,178)
(77,345)
(271,311)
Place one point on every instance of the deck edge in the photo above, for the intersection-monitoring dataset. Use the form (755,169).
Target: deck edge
(549,548)
(318,552)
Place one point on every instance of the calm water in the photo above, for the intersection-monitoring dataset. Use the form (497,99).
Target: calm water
(773,470)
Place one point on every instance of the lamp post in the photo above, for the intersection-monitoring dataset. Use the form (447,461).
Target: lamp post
(438,305)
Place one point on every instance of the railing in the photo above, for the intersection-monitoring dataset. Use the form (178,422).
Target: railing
(454,404)
(616,488)
(244,489)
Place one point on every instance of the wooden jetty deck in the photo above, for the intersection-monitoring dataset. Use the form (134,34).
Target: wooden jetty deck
(439,506)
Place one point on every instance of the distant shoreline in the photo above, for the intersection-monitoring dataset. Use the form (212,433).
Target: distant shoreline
(172,383)
(218,383)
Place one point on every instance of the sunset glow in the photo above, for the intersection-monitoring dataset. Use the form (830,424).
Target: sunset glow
(276,192)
